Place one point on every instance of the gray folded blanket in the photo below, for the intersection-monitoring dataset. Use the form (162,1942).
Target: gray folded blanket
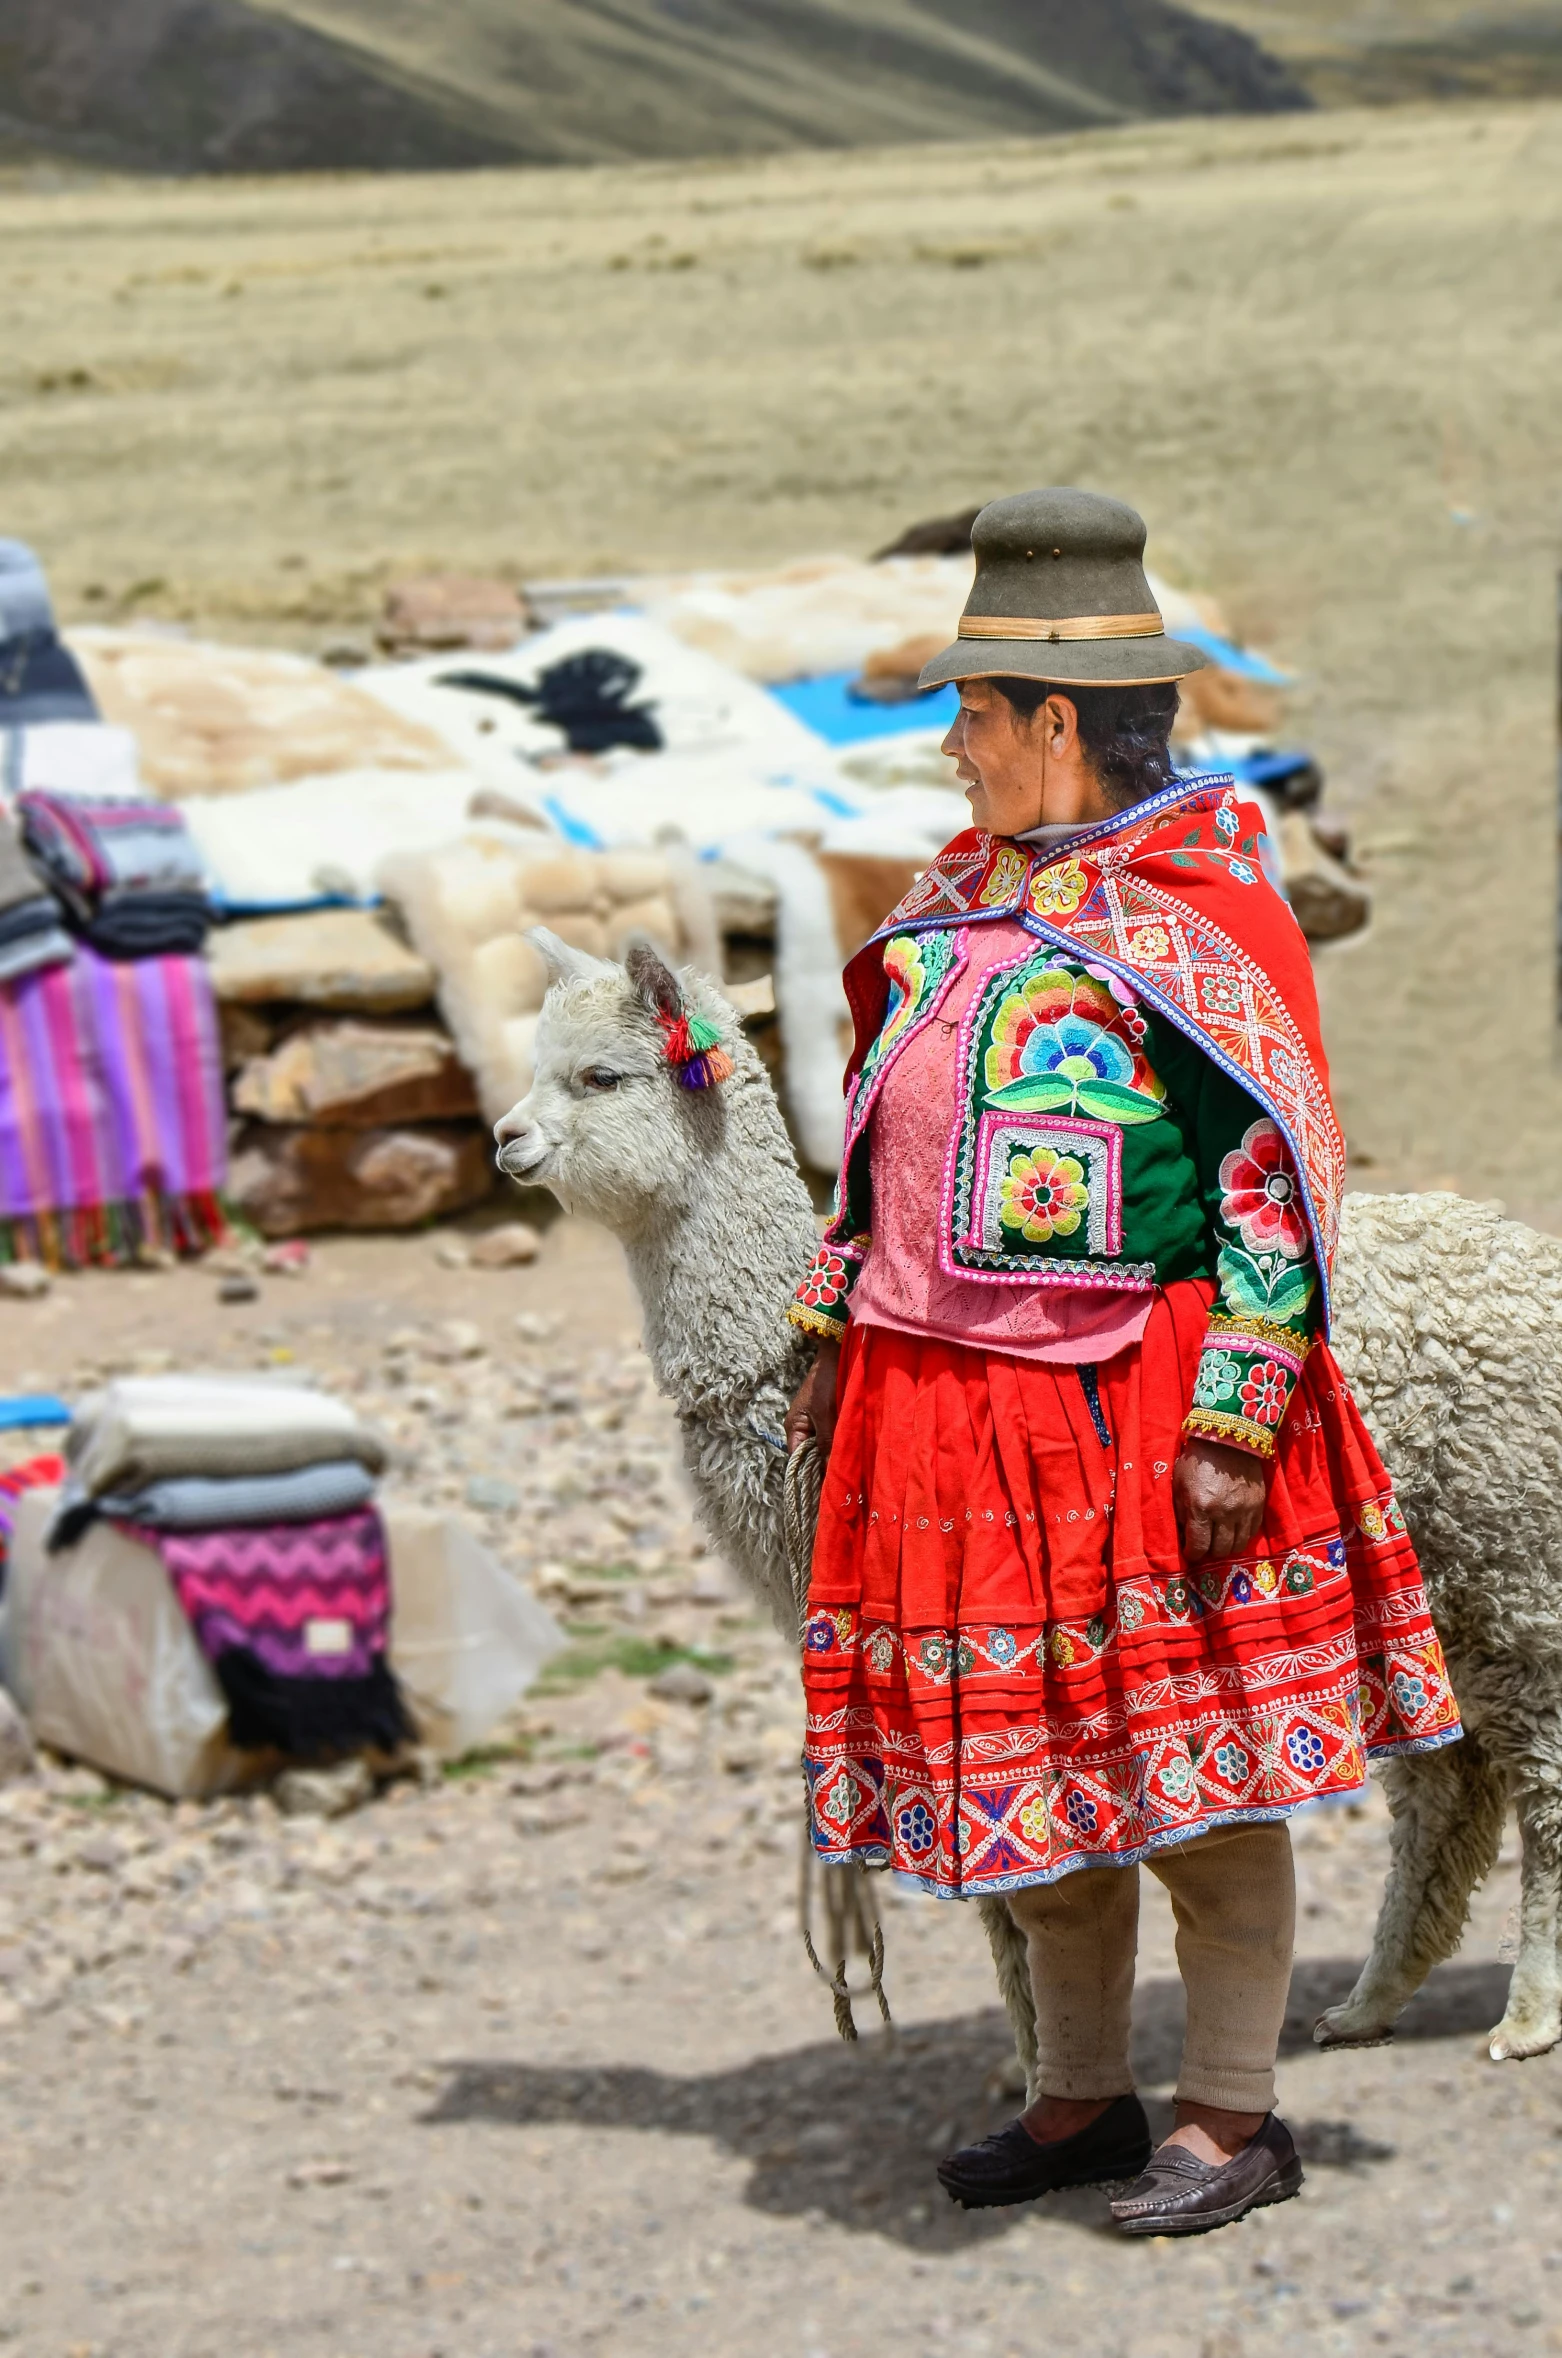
(201,1502)
(144,1429)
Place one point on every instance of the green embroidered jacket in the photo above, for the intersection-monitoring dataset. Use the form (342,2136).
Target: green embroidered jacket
(1095,1144)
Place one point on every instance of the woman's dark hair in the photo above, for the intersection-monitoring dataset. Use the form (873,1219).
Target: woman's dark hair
(1123,730)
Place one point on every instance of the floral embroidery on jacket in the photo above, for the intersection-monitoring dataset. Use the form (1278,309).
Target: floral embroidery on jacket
(1044,1195)
(1259,1194)
(1058,1041)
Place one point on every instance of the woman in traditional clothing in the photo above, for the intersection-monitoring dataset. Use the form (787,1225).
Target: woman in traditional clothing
(1108,1569)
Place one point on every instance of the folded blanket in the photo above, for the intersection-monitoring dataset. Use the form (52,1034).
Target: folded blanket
(198,1502)
(31,936)
(88,847)
(113,1129)
(40,681)
(145,924)
(294,1618)
(142,1429)
(21,920)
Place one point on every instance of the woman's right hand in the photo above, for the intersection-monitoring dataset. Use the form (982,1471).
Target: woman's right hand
(813,1410)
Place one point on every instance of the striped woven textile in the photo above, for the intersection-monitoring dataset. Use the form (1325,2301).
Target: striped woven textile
(113,1135)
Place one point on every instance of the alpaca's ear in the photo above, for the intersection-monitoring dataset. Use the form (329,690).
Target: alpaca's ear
(655,981)
(564,964)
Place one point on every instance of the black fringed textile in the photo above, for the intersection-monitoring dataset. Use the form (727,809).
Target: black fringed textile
(312,1719)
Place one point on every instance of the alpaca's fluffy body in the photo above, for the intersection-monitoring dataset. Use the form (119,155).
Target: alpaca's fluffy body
(1448,1325)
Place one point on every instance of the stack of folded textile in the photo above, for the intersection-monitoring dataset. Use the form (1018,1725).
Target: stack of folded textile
(40,679)
(30,931)
(258,1498)
(127,871)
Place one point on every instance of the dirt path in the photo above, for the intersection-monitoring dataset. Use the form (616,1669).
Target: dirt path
(530,2062)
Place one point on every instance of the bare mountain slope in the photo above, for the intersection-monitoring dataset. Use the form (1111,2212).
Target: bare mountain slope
(1375,52)
(267,85)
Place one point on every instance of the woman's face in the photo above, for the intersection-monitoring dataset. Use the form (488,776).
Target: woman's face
(1020,773)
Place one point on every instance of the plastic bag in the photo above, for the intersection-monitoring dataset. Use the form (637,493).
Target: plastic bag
(466,1639)
(101,1659)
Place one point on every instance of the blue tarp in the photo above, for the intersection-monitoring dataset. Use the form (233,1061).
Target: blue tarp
(18,1410)
(824,706)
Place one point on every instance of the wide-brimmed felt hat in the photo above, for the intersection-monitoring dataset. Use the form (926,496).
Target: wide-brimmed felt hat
(1060,594)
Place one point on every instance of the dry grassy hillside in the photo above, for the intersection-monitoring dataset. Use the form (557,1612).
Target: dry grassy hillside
(1377,51)
(1320,353)
(279,85)
(595,80)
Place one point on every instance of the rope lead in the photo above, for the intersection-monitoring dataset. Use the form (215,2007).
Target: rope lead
(852,1925)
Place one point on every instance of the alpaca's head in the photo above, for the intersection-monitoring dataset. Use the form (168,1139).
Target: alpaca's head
(607,1126)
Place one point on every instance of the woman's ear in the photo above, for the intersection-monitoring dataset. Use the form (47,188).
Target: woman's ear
(1060,718)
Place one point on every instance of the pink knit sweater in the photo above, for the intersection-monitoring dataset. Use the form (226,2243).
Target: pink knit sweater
(902,1285)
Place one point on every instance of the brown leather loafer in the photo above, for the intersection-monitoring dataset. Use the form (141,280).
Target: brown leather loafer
(1013,2166)
(1181,2195)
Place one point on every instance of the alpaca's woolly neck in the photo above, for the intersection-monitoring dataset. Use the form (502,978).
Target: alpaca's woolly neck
(715,1279)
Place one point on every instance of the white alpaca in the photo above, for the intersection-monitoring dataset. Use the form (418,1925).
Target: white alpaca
(1449,1327)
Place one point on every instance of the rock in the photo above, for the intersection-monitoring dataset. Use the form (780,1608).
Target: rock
(18,1756)
(319,2173)
(358,1076)
(23,1281)
(490,1496)
(323,1792)
(456,1338)
(451,1252)
(287,1181)
(680,1682)
(238,1286)
(245,1033)
(1326,900)
(754,999)
(532,1327)
(432,610)
(506,1247)
(102,1853)
(343,958)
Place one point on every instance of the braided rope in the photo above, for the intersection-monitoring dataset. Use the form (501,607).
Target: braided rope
(851,1917)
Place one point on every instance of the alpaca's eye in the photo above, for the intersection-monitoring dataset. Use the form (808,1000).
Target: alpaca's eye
(598,1076)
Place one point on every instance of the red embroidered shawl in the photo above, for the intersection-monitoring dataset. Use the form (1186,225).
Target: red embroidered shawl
(1171,895)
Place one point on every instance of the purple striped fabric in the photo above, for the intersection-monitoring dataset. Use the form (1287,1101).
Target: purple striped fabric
(110,1086)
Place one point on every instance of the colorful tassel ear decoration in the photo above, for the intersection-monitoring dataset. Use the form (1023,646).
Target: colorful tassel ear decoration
(693,1048)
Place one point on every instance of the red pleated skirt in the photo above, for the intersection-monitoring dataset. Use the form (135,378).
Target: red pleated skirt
(1010,1671)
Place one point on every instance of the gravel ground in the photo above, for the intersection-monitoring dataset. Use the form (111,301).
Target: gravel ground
(527,2059)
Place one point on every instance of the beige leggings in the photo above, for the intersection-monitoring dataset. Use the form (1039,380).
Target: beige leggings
(1233,1894)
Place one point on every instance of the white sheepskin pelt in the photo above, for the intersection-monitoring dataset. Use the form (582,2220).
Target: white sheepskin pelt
(467,906)
(211,719)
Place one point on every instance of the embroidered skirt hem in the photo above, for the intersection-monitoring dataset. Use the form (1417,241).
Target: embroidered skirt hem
(1010,1672)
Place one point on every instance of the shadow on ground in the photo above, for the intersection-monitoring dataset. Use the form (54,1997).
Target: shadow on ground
(853,2133)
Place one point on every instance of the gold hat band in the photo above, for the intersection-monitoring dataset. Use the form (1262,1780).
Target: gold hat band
(1078,626)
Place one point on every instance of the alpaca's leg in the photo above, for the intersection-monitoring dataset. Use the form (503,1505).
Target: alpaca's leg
(1011,1961)
(1447,1809)
(1532,2019)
